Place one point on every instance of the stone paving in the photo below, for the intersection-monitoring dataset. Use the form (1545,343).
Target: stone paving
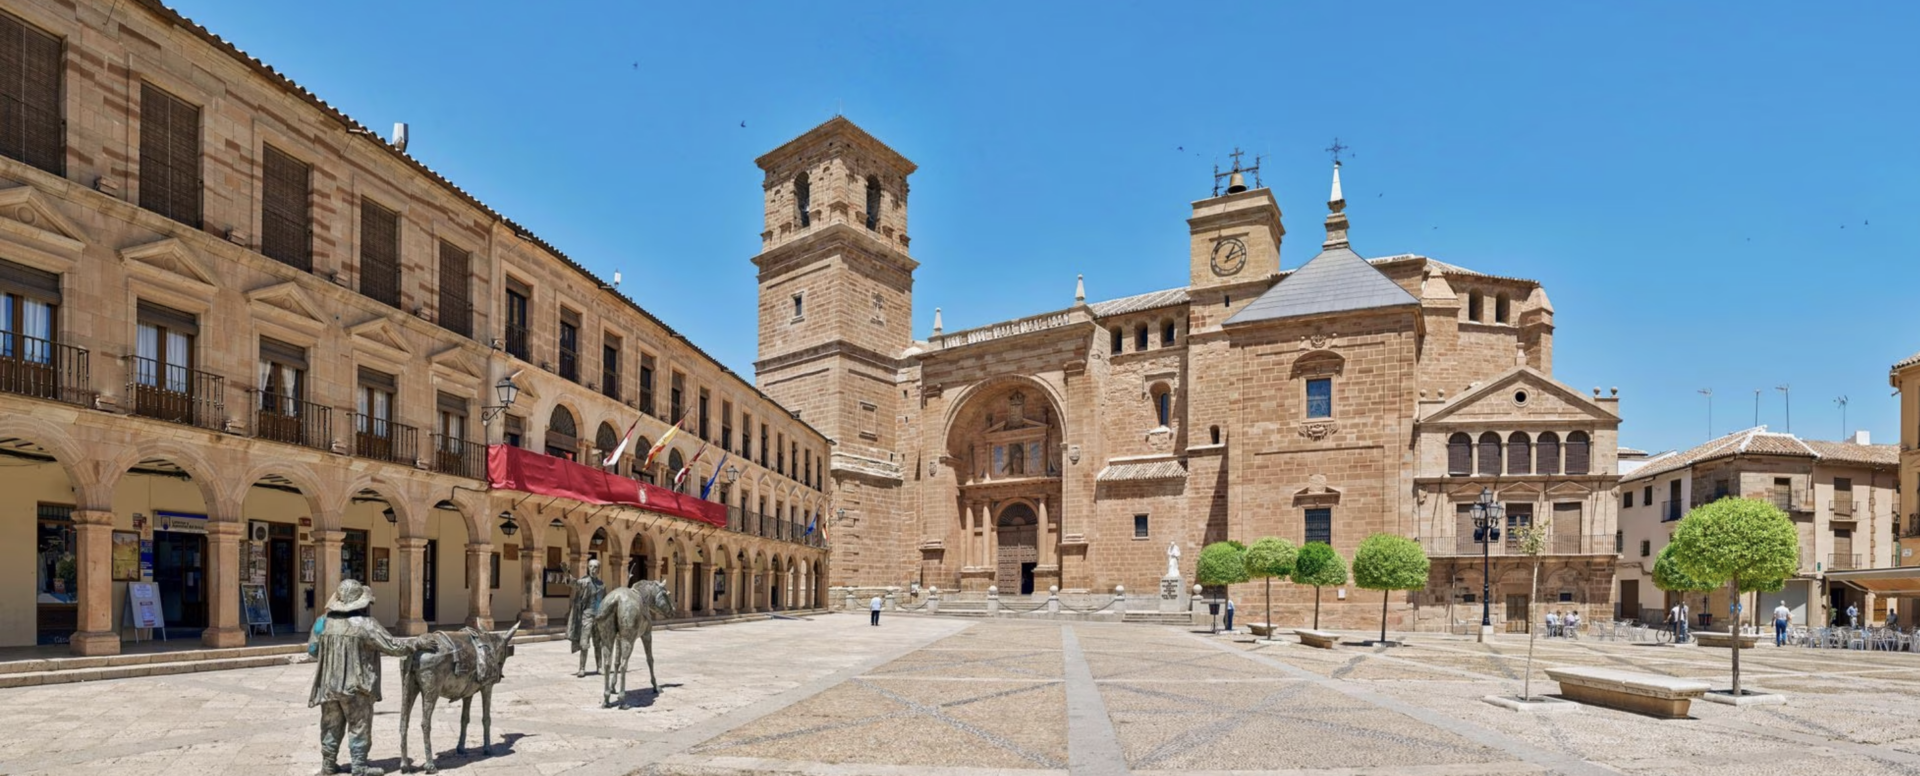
(830,696)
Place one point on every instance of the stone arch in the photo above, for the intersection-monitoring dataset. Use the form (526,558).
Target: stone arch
(563,428)
(197,468)
(317,495)
(605,438)
(996,385)
(66,453)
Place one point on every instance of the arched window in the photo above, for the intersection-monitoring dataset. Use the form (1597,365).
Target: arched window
(1166,334)
(1489,462)
(1473,306)
(873,203)
(1500,308)
(563,437)
(1519,453)
(674,464)
(641,446)
(1547,454)
(1140,338)
(1579,453)
(1119,340)
(1162,404)
(606,439)
(1213,433)
(803,199)
(1459,455)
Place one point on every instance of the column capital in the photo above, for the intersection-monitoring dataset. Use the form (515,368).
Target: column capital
(479,547)
(93,517)
(226,530)
(328,535)
(411,543)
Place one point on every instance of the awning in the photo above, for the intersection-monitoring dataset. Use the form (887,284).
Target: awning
(1900,581)
(511,468)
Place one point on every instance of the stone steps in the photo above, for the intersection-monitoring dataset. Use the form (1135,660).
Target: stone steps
(1160,618)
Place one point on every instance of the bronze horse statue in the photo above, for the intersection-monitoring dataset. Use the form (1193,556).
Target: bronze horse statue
(459,666)
(625,614)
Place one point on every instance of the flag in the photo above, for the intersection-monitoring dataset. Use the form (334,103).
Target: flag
(708,488)
(664,439)
(622,447)
(680,477)
(811,523)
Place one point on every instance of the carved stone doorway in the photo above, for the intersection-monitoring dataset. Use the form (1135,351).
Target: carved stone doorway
(1018,550)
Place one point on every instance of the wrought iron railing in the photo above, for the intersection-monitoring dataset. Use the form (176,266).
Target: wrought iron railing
(290,420)
(381,439)
(459,457)
(1841,561)
(569,364)
(177,394)
(517,342)
(44,369)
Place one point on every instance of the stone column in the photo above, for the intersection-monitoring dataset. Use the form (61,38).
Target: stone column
(223,583)
(965,547)
(614,572)
(413,585)
(533,613)
(326,572)
(1046,536)
(93,534)
(683,575)
(986,539)
(480,585)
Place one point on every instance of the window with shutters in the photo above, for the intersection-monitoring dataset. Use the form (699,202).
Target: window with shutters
(169,156)
(569,344)
(676,396)
(518,304)
(456,289)
(1519,453)
(1579,453)
(1489,463)
(610,366)
(704,427)
(1547,454)
(33,127)
(286,215)
(726,425)
(1459,454)
(646,385)
(379,253)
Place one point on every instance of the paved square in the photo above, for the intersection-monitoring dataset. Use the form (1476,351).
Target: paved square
(831,696)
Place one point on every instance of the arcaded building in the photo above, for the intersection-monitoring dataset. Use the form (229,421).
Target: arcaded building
(1324,400)
(249,347)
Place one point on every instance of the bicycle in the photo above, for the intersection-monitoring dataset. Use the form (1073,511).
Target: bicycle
(1663,635)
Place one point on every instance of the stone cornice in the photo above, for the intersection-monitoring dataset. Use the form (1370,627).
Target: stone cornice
(824,239)
(828,350)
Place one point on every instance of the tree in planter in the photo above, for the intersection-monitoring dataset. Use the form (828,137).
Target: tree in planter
(1531,540)
(1670,577)
(1318,565)
(1222,564)
(1389,562)
(1268,558)
(1746,544)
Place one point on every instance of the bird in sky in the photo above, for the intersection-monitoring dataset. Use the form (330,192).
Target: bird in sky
(743,123)
(1179,148)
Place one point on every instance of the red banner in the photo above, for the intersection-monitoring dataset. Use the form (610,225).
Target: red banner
(511,468)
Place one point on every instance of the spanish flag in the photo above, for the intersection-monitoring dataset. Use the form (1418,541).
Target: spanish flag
(665,439)
(680,477)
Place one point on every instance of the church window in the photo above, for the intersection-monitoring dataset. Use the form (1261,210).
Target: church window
(1320,525)
(1139,526)
(1119,340)
(1166,334)
(1162,404)
(799,306)
(1213,433)
(1489,462)
(1140,338)
(1500,308)
(1459,455)
(1578,453)
(1547,454)
(1473,306)
(1320,397)
(873,203)
(803,199)
(1519,453)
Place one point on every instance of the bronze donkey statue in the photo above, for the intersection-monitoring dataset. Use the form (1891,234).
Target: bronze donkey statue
(460,666)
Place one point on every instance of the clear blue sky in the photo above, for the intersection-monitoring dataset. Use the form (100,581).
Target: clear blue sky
(1676,174)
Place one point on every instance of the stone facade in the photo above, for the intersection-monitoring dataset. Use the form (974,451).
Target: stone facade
(369,438)
(1070,447)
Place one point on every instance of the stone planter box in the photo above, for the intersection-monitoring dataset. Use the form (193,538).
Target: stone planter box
(1652,694)
(1261,629)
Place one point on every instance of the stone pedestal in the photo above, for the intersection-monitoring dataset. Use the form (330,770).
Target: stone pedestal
(976,579)
(1173,595)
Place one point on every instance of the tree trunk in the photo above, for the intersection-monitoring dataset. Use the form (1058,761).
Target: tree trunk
(1533,598)
(1384,594)
(1269,607)
(1735,628)
(1316,607)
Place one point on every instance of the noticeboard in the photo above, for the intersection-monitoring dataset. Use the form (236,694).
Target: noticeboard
(253,605)
(143,605)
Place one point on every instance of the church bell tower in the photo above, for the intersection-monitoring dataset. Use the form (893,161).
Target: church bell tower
(1234,236)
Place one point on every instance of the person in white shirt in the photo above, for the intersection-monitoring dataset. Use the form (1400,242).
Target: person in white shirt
(1853,616)
(1781,616)
(1686,630)
(1674,621)
(1573,625)
(1553,624)
(874,606)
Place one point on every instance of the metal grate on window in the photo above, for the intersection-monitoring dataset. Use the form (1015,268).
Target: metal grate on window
(32,127)
(379,253)
(286,218)
(169,156)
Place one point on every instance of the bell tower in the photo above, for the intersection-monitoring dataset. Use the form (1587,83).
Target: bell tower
(1234,236)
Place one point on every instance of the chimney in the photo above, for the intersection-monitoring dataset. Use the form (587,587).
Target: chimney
(400,136)
(1861,437)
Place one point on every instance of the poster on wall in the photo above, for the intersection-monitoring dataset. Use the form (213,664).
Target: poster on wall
(380,564)
(146,559)
(306,563)
(126,556)
(256,562)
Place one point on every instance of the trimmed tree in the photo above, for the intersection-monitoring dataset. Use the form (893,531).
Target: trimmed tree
(1389,562)
(1318,565)
(1531,540)
(1746,544)
(1268,558)
(1221,564)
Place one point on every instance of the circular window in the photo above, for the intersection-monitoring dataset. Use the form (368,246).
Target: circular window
(1520,398)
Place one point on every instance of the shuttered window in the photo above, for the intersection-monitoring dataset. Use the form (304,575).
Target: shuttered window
(1547,454)
(1489,463)
(32,124)
(169,156)
(456,297)
(1519,453)
(286,215)
(1459,455)
(379,253)
(1579,453)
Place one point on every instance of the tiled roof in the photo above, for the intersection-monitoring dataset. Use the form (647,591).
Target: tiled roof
(1337,280)
(1906,362)
(1759,441)
(1136,472)
(1139,302)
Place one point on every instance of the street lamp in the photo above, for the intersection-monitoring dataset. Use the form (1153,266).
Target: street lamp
(1486,531)
(507,392)
(389,515)
(507,525)
(733,474)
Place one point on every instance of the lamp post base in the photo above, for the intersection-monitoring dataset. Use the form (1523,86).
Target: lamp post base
(1486,634)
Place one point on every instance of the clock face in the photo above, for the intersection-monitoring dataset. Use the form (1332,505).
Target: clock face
(1229,256)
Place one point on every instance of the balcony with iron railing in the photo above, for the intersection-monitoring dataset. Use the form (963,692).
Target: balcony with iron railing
(569,364)
(1556,544)
(1671,511)
(290,420)
(459,457)
(177,394)
(381,439)
(516,342)
(44,369)
(1841,561)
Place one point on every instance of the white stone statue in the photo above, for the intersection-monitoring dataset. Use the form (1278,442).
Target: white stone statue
(1173,560)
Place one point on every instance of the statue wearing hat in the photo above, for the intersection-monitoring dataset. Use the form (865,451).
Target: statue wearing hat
(347,682)
(587,594)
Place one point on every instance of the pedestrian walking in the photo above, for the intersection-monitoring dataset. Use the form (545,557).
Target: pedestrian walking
(1553,624)
(346,683)
(1853,616)
(1229,615)
(1673,622)
(874,607)
(1686,628)
(1573,624)
(1781,616)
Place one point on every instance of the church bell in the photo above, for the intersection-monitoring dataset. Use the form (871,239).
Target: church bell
(1237,183)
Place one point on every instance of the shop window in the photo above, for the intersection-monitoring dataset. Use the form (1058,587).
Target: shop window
(353,555)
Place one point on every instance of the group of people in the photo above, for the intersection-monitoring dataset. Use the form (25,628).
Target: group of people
(1563,624)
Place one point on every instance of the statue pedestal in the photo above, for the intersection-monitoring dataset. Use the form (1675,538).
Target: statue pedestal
(1173,595)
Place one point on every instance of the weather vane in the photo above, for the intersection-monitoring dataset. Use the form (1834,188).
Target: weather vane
(1336,149)
(1219,176)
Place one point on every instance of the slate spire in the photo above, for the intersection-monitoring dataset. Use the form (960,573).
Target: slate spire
(1337,216)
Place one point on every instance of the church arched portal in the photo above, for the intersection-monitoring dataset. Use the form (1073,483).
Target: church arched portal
(1019,547)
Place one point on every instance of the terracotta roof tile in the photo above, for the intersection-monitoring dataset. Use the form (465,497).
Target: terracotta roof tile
(1136,472)
(1760,441)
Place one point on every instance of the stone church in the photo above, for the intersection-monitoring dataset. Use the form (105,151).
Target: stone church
(1324,401)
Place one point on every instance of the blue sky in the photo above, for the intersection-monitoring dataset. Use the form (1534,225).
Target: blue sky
(1676,175)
